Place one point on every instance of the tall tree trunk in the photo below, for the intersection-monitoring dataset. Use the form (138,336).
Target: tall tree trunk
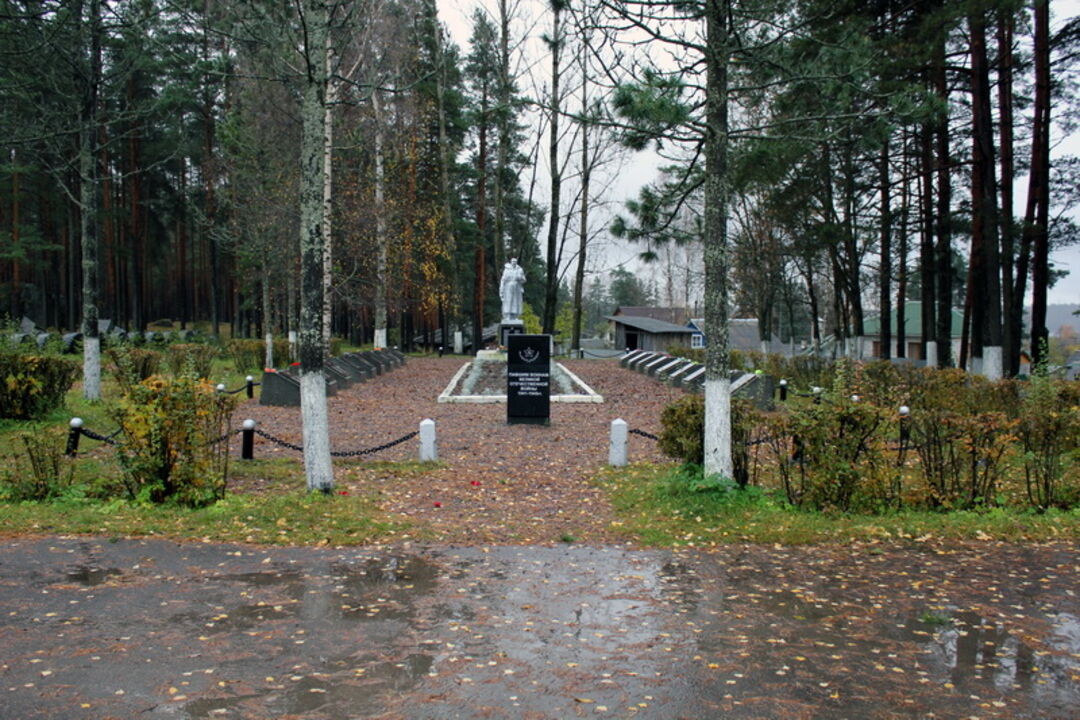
(89,199)
(480,251)
(328,188)
(1012,321)
(718,459)
(1037,217)
(984,234)
(267,309)
(927,274)
(902,253)
(583,229)
(551,280)
(885,271)
(943,248)
(380,228)
(503,123)
(317,463)
(449,239)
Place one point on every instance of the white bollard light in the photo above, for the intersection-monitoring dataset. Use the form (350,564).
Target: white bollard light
(428,449)
(617,452)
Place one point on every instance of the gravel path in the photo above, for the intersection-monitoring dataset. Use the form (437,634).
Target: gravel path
(498,483)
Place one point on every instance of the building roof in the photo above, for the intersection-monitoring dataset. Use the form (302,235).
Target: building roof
(912,321)
(677,315)
(651,325)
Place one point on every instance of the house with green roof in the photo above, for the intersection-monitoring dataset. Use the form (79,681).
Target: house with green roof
(870,342)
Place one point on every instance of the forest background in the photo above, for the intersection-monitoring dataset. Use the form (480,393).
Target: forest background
(169,133)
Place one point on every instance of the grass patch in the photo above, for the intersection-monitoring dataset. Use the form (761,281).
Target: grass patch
(291,518)
(662,506)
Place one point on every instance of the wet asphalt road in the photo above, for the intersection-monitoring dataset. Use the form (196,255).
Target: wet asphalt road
(93,628)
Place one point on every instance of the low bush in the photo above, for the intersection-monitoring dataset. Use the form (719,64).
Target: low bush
(249,356)
(33,385)
(131,365)
(683,434)
(170,444)
(1048,429)
(50,471)
(191,358)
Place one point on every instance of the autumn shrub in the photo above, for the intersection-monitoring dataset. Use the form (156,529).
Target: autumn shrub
(131,365)
(249,356)
(33,385)
(1048,430)
(193,358)
(683,434)
(830,453)
(49,472)
(961,455)
(171,448)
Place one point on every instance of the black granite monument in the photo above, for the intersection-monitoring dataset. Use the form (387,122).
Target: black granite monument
(528,379)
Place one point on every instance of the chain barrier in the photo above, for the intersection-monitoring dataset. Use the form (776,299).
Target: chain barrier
(224,437)
(643,434)
(107,439)
(338,453)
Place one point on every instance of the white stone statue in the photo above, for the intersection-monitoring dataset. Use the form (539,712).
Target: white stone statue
(512,290)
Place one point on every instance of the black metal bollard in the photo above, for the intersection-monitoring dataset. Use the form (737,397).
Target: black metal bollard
(905,427)
(817,395)
(247,446)
(73,436)
(783,390)
(250,387)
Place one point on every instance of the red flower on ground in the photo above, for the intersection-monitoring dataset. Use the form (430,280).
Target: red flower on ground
(438,504)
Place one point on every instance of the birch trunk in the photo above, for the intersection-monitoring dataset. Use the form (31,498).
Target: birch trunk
(88,199)
(717,378)
(317,463)
(380,227)
(327,189)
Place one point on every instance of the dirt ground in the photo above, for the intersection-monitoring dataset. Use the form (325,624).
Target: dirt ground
(499,483)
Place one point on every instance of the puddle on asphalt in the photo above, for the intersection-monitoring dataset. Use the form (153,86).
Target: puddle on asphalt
(91,576)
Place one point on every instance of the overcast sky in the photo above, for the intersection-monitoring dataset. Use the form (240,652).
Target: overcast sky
(638,169)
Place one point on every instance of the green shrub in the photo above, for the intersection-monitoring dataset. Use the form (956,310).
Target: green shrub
(682,434)
(169,433)
(50,471)
(249,356)
(831,455)
(131,365)
(191,359)
(961,454)
(33,385)
(1048,429)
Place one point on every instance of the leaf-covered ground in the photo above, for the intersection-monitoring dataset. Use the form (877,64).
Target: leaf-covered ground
(496,482)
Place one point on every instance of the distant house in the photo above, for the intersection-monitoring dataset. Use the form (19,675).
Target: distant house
(649,328)
(742,336)
(869,345)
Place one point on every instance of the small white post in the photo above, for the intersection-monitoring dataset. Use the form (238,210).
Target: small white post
(428,451)
(617,452)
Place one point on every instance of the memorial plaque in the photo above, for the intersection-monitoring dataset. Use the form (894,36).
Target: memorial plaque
(528,379)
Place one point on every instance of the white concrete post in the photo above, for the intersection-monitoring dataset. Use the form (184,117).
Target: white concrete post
(428,450)
(617,452)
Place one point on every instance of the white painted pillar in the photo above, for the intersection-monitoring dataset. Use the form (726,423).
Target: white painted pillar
(619,435)
(459,343)
(992,364)
(931,353)
(429,452)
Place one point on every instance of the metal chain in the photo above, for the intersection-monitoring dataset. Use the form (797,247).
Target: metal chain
(224,437)
(107,439)
(340,453)
(644,434)
(240,389)
(392,443)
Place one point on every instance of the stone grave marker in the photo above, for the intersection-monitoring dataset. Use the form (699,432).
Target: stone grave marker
(361,367)
(528,379)
(70,342)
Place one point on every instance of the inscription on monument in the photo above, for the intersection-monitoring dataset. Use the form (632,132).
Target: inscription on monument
(528,379)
